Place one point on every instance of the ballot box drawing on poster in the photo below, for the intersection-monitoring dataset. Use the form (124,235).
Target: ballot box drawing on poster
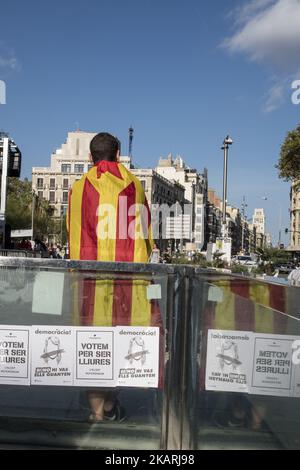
(228,360)
(14,355)
(95,357)
(272,365)
(52,352)
(137,356)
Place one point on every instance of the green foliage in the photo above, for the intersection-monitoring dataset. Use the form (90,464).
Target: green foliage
(289,159)
(239,269)
(217,260)
(198,259)
(21,202)
(258,270)
(271,256)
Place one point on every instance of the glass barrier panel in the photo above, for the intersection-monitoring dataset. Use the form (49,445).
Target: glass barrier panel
(52,398)
(248,364)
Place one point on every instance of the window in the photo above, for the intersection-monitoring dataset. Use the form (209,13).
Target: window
(66,168)
(65,197)
(143,182)
(52,183)
(40,194)
(40,183)
(90,166)
(52,196)
(65,183)
(79,168)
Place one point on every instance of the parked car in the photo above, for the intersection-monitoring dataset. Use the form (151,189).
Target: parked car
(244,260)
(284,268)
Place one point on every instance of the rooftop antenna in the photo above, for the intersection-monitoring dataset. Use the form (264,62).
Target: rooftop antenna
(130,132)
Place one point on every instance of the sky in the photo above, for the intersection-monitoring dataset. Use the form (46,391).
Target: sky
(183,74)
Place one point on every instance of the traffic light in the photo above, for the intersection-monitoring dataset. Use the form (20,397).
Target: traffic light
(286,230)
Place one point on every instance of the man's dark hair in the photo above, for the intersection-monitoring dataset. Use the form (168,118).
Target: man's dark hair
(104,146)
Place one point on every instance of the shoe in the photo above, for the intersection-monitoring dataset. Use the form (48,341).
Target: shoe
(228,421)
(117,413)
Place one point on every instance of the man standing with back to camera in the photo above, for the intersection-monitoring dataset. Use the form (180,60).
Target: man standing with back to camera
(109,220)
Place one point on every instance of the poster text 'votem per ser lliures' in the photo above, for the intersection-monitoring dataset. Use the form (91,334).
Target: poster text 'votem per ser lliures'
(254,363)
(95,356)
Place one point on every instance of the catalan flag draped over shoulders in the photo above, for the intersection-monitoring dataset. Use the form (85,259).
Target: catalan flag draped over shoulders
(109,220)
(108,216)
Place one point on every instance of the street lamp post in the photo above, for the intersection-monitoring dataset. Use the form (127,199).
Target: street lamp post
(227,141)
(32,213)
(244,205)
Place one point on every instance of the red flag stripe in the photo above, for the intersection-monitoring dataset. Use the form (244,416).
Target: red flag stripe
(69,218)
(87,311)
(89,217)
(122,302)
(125,244)
(277,302)
(244,307)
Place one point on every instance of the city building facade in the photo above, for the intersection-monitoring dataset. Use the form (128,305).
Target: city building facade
(170,228)
(71,161)
(295,217)
(259,220)
(196,189)
(213,216)
(68,164)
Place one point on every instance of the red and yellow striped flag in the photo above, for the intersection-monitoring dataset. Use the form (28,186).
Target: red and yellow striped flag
(108,217)
(109,220)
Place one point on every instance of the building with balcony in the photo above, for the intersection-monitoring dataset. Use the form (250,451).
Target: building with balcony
(71,161)
(294,244)
(68,164)
(259,221)
(162,192)
(195,187)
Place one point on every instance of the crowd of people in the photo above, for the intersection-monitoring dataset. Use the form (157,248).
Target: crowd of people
(51,250)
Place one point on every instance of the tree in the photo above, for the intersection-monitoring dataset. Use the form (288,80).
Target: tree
(19,209)
(270,257)
(19,203)
(44,224)
(289,159)
(218,262)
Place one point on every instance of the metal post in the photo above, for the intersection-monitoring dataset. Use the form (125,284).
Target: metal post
(61,224)
(280,222)
(32,213)
(224,227)
(130,131)
(3,189)
(243,222)
(4,176)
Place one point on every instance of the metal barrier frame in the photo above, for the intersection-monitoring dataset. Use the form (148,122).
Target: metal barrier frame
(182,322)
(176,324)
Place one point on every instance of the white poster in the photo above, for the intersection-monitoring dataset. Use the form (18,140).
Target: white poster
(95,357)
(228,361)
(52,352)
(43,300)
(14,355)
(272,365)
(137,356)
